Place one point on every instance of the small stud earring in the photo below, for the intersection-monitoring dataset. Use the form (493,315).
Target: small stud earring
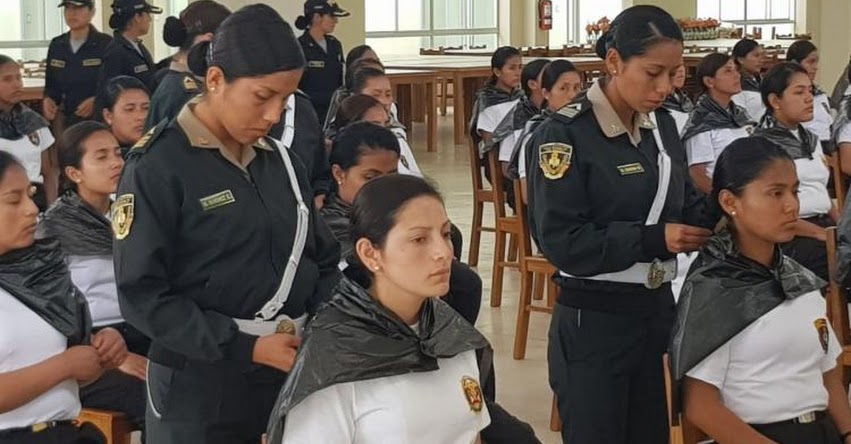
(733,213)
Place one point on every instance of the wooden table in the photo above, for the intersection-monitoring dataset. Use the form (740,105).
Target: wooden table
(403,82)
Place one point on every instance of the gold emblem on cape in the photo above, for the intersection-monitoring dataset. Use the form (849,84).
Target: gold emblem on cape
(554,159)
(122,215)
(189,84)
(823,332)
(473,393)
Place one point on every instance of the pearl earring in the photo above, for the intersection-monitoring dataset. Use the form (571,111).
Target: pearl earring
(733,213)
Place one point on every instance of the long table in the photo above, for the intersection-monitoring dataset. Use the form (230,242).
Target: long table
(404,83)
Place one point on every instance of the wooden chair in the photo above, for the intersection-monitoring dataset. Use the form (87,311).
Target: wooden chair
(505,225)
(114,426)
(682,431)
(532,268)
(481,196)
(839,189)
(837,306)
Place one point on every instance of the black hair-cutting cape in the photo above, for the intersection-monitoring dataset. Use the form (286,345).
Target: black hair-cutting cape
(38,277)
(678,101)
(801,148)
(20,121)
(78,227)
(709,115)
(724,293)
(353,338)
(750,82)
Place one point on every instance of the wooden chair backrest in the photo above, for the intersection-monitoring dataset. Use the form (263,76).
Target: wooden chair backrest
(496,179)
(837,307)
(476,167)
(522,211)
(835,163)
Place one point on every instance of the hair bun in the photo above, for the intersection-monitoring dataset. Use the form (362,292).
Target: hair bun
(600,47)
(301,22)
(174,31)
(197,59)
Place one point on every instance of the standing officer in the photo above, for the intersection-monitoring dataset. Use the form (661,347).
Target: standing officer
(126,55)
(324,53)
(219,253)
(609,197)
(73,61)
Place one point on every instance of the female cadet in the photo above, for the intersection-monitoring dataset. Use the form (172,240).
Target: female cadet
(408,341)
(73,61)
(26,135)
(91,162)
(126,55)
(498,97)
(355,59)
(768,373)
(787,93)
(45,329)
(124,104)
(197,23)
(747,54)
(806,54)
(842,132)
(716,120)
(219,255)
(678,102)
(511,127)
(609,197)
(324,53)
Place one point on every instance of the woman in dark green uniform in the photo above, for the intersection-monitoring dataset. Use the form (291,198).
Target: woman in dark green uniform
(324,53)
(612,204)
(219,256)
(126,55)
(196,24)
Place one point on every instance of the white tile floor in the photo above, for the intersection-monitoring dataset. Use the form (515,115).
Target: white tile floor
(522,386)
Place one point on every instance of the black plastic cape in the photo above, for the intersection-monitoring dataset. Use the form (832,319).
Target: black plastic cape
(678,101)
(750,82)
(843,118)
(724,293)
(78,227)
(354,339)
(709,115)
(20,121)
(487,97)
(801,148)
(531,126)
(38,277)
(515,120)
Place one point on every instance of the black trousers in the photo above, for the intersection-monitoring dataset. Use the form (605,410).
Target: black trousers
(819,432)
(210,403)
(118,392)
(62,434)
(606,370)
(465,291)
(809,252)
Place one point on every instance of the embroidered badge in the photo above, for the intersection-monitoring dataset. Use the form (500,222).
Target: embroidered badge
(823,332)
(473,393)
(315,64)
(140,68)
(56,63)
(630,169)
(190,84)
(35,139)
(122,215)
(554,159)
(92,62)
(217,200)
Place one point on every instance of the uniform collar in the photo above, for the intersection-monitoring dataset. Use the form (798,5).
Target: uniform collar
(179,67)
(201,137)
(608,119)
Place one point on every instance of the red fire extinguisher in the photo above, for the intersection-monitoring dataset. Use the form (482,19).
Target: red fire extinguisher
(545,15)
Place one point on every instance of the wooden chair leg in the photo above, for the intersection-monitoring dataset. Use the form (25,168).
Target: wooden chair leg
(555,419)
(476,234)
(512,248)
(498,268)
(540,285)
(521,333)
(443,93)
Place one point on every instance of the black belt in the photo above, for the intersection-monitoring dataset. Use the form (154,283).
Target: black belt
(806,418)
(35,428)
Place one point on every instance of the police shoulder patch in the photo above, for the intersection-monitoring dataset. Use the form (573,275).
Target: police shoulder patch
(189,83)
(123,211)
(554,159)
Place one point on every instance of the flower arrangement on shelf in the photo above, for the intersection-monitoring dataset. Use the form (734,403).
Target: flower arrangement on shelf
(595,30)
(699,29)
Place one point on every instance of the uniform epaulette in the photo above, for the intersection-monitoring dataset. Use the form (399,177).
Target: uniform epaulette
(145,142)
(189,83)
(572,110)
(301,93)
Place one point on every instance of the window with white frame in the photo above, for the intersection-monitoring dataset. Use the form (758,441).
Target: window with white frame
(570,18)
(405,26)
(775,17)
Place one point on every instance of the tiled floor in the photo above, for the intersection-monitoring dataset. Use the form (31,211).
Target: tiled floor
(522,386)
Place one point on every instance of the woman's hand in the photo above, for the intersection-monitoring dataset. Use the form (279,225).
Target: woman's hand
(685,238)
(277,351)
(82,362)
(110,347)
(135,365)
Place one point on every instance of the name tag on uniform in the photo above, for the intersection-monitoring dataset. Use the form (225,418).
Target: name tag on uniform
(217,200)
(315,64)
(140,68)
(630,169)
(57,63)
(91,62)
